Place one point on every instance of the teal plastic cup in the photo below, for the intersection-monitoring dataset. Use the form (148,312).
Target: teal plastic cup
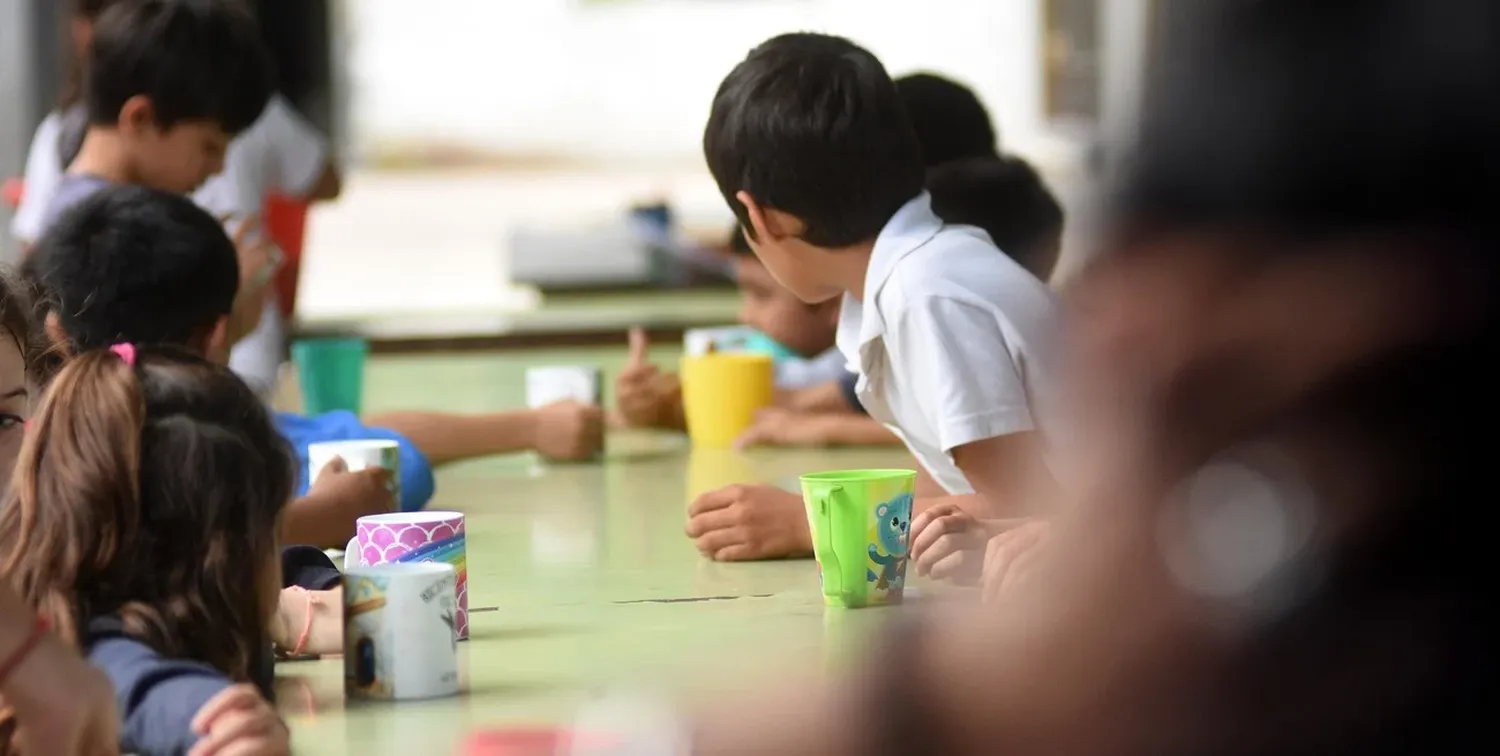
(332,374)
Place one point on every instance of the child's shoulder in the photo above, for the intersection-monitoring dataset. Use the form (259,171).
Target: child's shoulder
(961,263)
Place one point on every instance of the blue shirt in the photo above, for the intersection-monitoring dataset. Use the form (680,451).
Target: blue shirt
(417,484)
(158,697)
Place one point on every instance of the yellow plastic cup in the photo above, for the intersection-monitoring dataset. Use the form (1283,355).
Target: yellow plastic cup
(721,392)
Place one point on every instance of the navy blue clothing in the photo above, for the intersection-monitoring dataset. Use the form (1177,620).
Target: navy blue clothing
(308,567)
(158,697)
(846,387)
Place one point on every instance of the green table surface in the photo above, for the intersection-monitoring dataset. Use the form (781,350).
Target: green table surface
(581,579)
(556,314)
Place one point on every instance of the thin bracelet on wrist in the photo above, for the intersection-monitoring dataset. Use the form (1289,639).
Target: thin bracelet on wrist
(18,657)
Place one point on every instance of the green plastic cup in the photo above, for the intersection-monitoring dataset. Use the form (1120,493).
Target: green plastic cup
(859,521)
(332,374)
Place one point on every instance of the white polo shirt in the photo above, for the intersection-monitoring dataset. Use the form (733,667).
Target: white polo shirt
(947,342)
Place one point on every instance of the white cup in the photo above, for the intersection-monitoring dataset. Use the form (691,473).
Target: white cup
(400,633)
(549,385)
(358,455)
(697,342)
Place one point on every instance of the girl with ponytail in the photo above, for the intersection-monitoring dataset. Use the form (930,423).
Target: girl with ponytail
(142,525)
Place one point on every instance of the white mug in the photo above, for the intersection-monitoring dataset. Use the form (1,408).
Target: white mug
(400,631)
(358,455)
(549,385)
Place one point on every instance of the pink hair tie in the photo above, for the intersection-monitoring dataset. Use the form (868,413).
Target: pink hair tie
(126,352)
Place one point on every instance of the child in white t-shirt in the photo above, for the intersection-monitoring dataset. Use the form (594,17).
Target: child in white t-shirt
(811,146)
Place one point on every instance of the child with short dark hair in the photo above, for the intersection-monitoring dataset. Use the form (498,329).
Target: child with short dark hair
(1000,195)
(169,83)
(142,523)
(131,263)
(1005,197)
(951,124)
(950,121)
(813,149)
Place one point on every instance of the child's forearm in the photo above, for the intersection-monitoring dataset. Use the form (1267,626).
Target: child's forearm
(445,438)
(315,520)
(856,430)
(319,613)
(819,399)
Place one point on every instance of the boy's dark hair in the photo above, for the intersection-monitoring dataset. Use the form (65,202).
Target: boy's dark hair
(950,121)
(811,125)
(147,494)
(1006,198)
(738,244)
(195,59)
(134,264)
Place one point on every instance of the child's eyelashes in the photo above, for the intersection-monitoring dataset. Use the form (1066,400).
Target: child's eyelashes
(7,421)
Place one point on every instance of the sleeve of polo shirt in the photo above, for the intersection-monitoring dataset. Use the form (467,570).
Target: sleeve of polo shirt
(955,359)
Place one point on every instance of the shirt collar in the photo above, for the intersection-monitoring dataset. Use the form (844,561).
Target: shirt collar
(908,230)
(911,227)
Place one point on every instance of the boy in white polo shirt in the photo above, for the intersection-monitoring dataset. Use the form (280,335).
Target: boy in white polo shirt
(810,144)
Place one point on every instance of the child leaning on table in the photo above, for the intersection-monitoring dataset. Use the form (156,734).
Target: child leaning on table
(130,263)
(142,525)
(944,330)
(1000,195)
(952,124)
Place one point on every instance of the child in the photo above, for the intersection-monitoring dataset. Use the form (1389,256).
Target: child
(59,702)
(950,121)
(131,263)
(281,153)
(169,83)
(943,329)
(16,340)
(1002,196)
(952,124)
(649,398)
(142,525)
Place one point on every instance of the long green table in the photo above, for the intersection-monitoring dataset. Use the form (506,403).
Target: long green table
(580,577)
(577,319)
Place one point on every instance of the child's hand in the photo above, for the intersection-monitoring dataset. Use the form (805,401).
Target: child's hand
(1009,556)
(568,431)
(365,492)
(947,543)
(743,523)
(258,255)
(646,397)
(238,722)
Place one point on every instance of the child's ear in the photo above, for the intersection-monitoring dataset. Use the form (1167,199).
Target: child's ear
(216,346)
(137,115)
(768,222)
(55,333)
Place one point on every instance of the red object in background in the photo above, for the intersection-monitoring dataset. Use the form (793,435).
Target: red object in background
(13,190)
(286,222)
(532,742)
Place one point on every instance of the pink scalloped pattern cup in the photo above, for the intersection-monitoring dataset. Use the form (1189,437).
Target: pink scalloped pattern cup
(419,537)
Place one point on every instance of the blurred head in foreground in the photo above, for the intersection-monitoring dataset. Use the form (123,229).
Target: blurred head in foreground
(1278,365)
